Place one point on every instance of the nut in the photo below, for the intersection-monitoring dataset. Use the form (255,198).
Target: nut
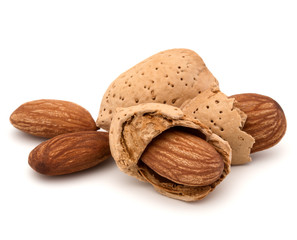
(217,111)
(48,118)
(266,120)
(132,130)
(183,158)
(70,152)
(160,78)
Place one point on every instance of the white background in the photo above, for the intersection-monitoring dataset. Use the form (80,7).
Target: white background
(73,50)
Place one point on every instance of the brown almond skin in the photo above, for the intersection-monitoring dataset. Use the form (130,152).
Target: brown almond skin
(70,152)
(183,158)
(48,118)
(266,120)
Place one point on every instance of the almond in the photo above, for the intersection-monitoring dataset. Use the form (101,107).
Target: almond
(266,120)
(194,162)
(48,118)
(183,158)
(168,77)
(70,152)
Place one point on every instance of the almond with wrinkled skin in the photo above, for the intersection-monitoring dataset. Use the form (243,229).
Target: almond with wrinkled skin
(134,128)
(183,158)
(266,120)
(48,118)
(70,152)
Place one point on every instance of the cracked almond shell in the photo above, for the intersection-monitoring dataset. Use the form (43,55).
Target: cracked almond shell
(217,111)
(133,128)
(169,77)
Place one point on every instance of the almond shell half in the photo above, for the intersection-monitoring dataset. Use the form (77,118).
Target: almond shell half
(217,111)
(133,128)
(168,77)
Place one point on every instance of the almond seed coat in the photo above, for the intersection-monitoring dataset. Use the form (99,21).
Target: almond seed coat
(183,158)
(266,120)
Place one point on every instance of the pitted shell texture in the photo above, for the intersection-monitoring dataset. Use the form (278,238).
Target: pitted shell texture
(169,77)
(133,128)
(217,111)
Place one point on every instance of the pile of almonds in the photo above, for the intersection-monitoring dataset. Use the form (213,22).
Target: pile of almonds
(164,121)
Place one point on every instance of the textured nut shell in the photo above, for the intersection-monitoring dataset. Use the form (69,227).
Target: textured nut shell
(216,110)
(170,77)
(133,128)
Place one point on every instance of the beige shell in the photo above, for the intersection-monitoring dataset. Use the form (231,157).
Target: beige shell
(133,128)
(169,77)
(216,110)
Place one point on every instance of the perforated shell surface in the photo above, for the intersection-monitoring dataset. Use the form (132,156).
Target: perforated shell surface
(217,111)
(133,128)
(169,77)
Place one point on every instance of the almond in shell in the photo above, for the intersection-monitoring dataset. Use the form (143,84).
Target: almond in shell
(134,128)
(168,77)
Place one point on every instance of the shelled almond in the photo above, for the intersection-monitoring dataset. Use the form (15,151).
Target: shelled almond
(50,117)
(70,152)
(266,120)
